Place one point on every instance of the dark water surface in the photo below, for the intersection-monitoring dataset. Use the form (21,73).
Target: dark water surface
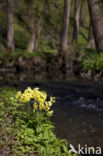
(78,109)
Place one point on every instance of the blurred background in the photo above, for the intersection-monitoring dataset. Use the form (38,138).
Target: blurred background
(49,35)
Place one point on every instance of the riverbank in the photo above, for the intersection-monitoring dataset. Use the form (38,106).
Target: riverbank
(22,134)
(79,107)
(85,63)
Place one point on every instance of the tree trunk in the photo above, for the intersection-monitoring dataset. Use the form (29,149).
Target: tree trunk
(35,30)
(76,20)
(10,25)
(82,13)
(31,45)
(40,23)
(97,24)
(39,28)
(65,26)
(91,42)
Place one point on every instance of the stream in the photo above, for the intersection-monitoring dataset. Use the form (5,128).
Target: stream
(78,111)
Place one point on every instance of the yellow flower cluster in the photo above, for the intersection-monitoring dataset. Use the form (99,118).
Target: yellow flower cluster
(39,97)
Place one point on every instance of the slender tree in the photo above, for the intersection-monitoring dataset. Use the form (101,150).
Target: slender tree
(65,26)
(35,27)
(83,13)
(41,22)
(77,7)
(31,45)
(10,25)
(38,31)
(91,42)
(97,25)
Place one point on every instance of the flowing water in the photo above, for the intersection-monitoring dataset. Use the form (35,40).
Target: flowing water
(78,111)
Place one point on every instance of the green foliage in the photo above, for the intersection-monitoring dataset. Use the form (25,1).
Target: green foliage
(21,39)
(42,53)
(46,45)
(94,62)
(25,54)
(25,135)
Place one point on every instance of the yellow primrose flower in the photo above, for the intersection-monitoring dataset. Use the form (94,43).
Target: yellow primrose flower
(50,103)
(25,98)
(36,94)
(41,106)
(29,89)
(43,95)
(18,95)
(39,97)
(35,106)
(50,113)
(47,108)
(52,99)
